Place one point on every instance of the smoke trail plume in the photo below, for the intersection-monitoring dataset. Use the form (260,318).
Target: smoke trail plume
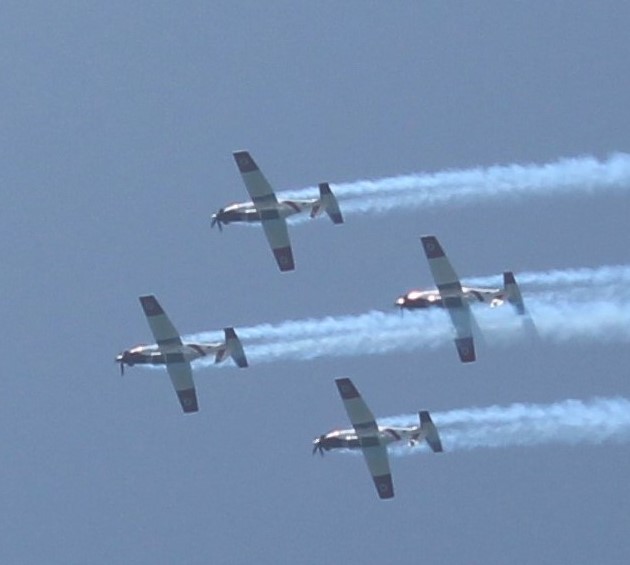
(580,314)
(611,281)
(569,422)
(605,275)
(586,175)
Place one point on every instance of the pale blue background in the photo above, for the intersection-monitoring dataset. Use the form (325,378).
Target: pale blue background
(118,123)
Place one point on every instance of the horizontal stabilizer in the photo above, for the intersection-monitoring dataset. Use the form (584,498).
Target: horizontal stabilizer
(513,292)
(432,436)
(465,349)
(235,348)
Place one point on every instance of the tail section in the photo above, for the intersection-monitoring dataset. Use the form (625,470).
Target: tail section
(328,203)
(513,292)
(432,436)
(234,347)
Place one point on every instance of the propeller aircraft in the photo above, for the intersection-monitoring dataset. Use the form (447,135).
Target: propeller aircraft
(171,351)
(450,294)
(271,212)
(373,439)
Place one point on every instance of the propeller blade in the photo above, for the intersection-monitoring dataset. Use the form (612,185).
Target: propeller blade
(317,446)
(122,368)
(217,222)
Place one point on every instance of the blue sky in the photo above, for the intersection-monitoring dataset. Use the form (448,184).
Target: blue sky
(119,121)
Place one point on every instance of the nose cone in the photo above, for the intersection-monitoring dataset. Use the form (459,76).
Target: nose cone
(219,218)
(125,357)
(400,302)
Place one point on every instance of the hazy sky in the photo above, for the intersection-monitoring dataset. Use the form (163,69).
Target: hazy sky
(118,126)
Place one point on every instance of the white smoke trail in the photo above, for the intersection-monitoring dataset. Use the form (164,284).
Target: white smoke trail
(569,422)
(605,275)
(573,314)
(572,176)
(603,282)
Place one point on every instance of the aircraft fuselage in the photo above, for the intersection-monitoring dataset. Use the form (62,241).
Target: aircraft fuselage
(417,299)
(247,212)
(151,355)
(348,439)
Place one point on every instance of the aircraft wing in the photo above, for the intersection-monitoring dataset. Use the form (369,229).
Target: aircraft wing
(450,289)
(162,328)
(367,431)
(461,316)
(266,204)
(181,377)
(444,275)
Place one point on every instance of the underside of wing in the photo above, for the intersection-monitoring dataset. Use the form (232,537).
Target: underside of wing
(367,431)
(266,203)
(450,289)
(461,316)
(360,415)
(163,330)
(277,235)
(444,275)
(181,377)
(378,464)
(257,186)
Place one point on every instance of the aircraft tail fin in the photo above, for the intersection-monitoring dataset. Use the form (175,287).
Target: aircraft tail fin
(432,437)
(513,292)
(327,203)
(234,348)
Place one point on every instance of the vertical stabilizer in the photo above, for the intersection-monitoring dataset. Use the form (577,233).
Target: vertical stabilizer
(329,204)
(432,436)
(235,348)
(513,292)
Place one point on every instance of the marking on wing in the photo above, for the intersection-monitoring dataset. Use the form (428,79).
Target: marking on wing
(244,161)
(345,388)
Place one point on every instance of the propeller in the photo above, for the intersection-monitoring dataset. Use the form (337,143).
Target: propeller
(400,302)
(317,445)
(216,220)
(121,361)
